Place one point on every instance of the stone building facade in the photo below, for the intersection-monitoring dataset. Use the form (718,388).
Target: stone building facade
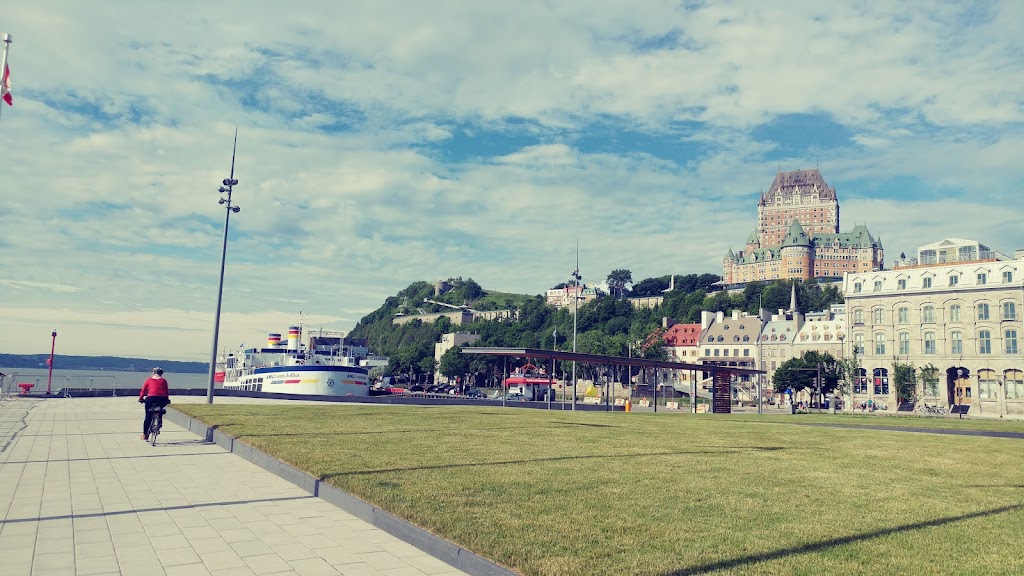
(798,236)
(960,313)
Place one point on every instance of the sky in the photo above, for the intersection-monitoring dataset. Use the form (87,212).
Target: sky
(385,142)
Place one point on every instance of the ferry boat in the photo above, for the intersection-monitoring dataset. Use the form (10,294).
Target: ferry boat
(326,366)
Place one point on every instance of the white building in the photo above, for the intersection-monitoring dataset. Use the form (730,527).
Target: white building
(449,341)
(958,307)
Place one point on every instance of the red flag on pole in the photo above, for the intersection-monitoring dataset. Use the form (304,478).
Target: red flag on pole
(5,86)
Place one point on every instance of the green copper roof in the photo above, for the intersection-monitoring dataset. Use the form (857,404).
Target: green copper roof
(796,236)
(754,238)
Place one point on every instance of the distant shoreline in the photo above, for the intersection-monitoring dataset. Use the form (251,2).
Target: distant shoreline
(101,363)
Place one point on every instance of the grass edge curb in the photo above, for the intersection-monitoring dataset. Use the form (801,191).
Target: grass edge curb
(456,556)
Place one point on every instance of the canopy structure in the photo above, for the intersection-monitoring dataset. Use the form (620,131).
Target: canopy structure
(613,360)
(721,375)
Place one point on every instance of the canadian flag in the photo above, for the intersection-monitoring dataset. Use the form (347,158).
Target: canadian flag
(5,86)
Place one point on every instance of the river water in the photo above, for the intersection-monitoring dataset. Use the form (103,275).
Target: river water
(93,379)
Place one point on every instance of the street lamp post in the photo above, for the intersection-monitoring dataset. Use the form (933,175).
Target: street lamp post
(229,184)
(575,311)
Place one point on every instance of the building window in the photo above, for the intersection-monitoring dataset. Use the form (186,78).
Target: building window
(982,279)
(879,315)
(725,352)
(954,280)
(954,313)
(904,343)
(904,314)
(880,344)
(956,342)
(928,313)
(746,352)
(856,287)
(881,381)
(1007,277)
(984,342)
(982,311)
(858,343)
(860,383)
(902,283)
(988,386)
(929,342)
(926,283)
(878,285)
(1009,311)
(716,351)
(1014,383)
(858,316)
(1010,338)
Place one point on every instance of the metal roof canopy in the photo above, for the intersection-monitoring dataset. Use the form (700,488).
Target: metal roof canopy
(602,359)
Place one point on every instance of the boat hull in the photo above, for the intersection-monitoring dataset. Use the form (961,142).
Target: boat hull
(306,380)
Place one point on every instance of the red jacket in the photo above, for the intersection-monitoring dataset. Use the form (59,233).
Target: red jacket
(154,386)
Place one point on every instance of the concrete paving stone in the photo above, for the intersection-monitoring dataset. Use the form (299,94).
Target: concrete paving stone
(359,545)
(18,542)
(404,571)
(141,568)
(169,542)
(300,530)
(318,540)
(89,523)
(55,545)
(20,528)
(428,564)
(238,535)
(143,553)
(62,561)
(279,538)
(210,545)
(313,567)
(93,550)
(358,569)
(21,555)
(402,549)
(285,519)
(156,530)
(91,536)
(127,539)
(222,524)
(178,556)
(17,568)
(294,552)
(221,560)
(248,548)
(382,560)
(267,564)
(187,570)
(239,571)
(96,565)
(339,555)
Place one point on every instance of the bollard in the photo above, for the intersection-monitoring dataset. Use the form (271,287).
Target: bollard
(629,406)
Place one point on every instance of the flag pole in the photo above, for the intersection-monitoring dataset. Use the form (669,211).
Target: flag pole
(3,67)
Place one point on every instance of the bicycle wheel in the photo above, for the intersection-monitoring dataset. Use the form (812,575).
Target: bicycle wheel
(154,429)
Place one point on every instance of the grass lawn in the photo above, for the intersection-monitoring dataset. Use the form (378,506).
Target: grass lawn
(613,493)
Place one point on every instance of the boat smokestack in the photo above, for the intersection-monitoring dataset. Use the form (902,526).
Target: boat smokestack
(273,340)
(293,338)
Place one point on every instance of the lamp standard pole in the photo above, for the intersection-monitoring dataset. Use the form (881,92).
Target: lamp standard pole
(575,311)
(229,184)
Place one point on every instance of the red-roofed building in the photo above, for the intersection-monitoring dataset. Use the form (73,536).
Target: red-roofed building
(681,345)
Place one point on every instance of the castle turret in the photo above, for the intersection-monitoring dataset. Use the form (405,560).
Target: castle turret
(796,253)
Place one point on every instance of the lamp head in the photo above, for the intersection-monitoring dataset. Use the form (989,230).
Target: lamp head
(221,201)
(235,209)
(222,189)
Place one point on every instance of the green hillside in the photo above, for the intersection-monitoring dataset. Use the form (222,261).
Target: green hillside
(110,363)
(605,326)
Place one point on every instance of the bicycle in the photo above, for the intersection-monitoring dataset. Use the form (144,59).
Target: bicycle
(156,423)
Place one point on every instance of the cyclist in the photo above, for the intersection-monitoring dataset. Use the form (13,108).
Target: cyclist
(154,393)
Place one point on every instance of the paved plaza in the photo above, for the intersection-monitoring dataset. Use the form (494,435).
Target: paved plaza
(81,493)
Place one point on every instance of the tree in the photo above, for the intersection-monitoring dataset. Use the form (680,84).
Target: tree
(454,363)
(905,378)
(930,379)
(849,369)
(617,281)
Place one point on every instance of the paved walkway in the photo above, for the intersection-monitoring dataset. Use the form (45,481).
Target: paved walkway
(81,493)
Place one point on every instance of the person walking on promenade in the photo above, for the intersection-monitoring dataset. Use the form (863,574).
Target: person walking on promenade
(154,393)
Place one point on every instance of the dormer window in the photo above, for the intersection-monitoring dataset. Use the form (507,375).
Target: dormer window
(902,283)
(926,282)
(954,280)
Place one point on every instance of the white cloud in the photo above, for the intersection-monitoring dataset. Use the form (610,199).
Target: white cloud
(381,143)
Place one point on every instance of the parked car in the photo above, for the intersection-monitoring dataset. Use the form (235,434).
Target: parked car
(475,393)
(418,388)
(515,397)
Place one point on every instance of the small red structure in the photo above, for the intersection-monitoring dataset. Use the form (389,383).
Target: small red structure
(25,386)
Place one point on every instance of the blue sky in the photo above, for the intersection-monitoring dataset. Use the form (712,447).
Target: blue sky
(386,142)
